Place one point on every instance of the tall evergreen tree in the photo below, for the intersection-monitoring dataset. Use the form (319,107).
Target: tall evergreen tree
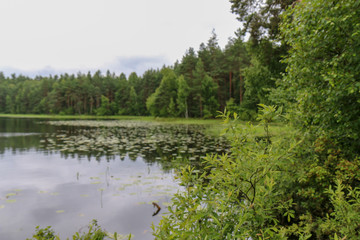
(158,102)
(182,97)
(208,94)
(196,90)
(261,18)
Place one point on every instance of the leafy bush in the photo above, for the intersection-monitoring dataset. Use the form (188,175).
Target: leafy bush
(322,80)
(44,234)
(237,195)
(261,191)
(95,232)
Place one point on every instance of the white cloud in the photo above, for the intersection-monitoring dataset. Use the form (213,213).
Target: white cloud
(93,34)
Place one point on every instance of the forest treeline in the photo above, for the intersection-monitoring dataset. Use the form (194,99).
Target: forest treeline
(200,84)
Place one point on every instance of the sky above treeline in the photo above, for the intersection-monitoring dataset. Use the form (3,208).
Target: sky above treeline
(42,37)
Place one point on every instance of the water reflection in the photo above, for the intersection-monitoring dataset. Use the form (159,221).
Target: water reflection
(49,176)
(19,135)
(39,190)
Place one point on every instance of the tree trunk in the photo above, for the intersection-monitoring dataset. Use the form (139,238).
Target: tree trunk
(241,89)
(230,78)
(85,104)
(218,90)
(91,104)
(68,100)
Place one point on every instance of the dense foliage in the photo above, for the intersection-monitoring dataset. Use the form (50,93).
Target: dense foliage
(94,232)
(323,73)
(306,185)
(81,94)
(261,18)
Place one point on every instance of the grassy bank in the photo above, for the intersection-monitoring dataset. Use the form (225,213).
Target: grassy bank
(137,118)
(215,125)
(134,118)
(54,116)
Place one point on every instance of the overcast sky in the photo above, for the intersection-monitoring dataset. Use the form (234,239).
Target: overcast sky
(56,36)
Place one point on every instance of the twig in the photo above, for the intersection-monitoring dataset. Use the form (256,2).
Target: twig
(158,208)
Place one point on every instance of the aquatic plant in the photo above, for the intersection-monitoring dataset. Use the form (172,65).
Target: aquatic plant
(147,140)
(94,232)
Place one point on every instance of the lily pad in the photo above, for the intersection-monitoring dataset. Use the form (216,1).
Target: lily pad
(167,204)
(98,182)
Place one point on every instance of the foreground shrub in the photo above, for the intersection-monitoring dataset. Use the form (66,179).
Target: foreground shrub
(255,193)
(94,232)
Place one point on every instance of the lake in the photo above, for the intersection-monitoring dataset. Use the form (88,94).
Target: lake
(65,173)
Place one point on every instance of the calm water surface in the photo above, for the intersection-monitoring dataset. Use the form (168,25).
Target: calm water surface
(66,173)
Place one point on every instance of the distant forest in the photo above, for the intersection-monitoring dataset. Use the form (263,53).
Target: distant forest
(205,81)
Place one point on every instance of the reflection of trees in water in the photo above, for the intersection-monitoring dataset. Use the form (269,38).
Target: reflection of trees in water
(24,125)
(18,143)
(19,135)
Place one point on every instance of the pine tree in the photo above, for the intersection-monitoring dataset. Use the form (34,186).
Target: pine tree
(182,97)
